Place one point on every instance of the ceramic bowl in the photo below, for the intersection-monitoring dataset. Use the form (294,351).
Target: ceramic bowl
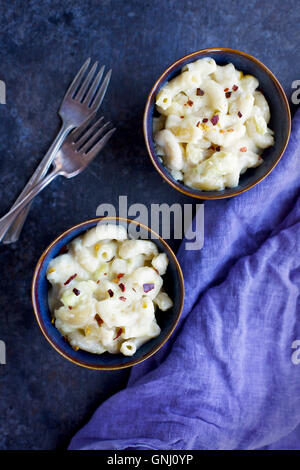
(173,283)
(280,121)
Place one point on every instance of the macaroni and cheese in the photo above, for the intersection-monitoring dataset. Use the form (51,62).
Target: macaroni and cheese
(105,289)
(212,125)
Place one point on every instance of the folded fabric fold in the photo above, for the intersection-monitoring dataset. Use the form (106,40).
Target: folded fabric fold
(226,379)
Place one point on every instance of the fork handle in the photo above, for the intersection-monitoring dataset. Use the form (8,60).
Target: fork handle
(7,220)
(14,231)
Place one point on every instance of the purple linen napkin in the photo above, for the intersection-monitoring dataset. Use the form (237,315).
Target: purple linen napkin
(226,379)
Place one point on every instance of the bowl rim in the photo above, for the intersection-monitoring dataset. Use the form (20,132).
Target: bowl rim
(37,310)
(153,91)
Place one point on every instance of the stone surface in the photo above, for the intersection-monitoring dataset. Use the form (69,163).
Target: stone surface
(44,398)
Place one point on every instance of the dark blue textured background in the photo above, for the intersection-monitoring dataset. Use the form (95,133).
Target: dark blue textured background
(44,398)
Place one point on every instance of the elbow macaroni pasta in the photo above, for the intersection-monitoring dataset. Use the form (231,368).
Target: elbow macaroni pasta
(105,289)
(212,125)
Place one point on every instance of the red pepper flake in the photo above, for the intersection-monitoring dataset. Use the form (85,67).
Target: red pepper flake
(70,308)
(120,275)
(214,120)
(70,279)
(243,149)
(120,331)
(98,282)
(181,117)
(190,102)
(205,120)
(63,250)
(199,92)
(76,291)
(105,274)
(228,94)
(123,298)
(98,319)
(218,149)
(198,124)
(122,287)
(240,114)
(226,89)
(110,292)
(148,287)
(235,87)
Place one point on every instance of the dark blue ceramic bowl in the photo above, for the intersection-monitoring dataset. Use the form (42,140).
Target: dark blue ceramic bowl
(173,282)
(280,121)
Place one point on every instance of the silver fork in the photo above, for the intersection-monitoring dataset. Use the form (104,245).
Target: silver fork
(83,97)
(78,150)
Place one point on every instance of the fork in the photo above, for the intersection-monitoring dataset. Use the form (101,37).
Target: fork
(79,148)
(83,97)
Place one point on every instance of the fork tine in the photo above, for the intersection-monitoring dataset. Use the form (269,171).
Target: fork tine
(94,86)
(88,133)
(94,137)
(87,81)
(99,146)
(75,83)
(101,92)
(76,133)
